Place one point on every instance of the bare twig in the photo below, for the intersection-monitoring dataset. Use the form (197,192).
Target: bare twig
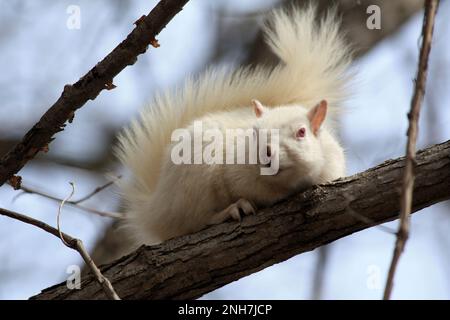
(96,190)
(76,204)
(108,214)
(100,77)
(72,243)
(406,197)
(58,217)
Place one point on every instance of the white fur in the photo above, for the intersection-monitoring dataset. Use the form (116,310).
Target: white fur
(164,200)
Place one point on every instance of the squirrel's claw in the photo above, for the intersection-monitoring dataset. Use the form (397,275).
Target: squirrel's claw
(242,205)
(246,206)
(234,211)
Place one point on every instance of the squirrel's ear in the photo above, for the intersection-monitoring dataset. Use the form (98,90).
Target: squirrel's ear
(316,115)
(258,108)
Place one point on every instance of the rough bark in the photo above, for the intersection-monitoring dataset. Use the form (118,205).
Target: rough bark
(190,266)
(88,87)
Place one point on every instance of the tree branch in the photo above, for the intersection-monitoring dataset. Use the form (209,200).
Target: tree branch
(73,243)
(89,86)
(413,116)
(74,203)
(192,265)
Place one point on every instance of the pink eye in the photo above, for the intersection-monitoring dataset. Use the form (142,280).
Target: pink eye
(300,133)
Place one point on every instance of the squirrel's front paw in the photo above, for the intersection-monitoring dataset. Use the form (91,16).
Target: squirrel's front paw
(243,205)
(234,211)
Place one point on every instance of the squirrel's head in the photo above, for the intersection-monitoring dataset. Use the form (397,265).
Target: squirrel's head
(298,147)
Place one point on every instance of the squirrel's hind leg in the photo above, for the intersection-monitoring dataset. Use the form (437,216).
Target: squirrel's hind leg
(233,211)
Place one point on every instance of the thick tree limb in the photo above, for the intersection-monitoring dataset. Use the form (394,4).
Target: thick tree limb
(190,266)
(413,116)
(89,86)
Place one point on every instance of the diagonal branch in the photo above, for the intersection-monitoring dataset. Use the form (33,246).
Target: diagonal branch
(89,86)
(190,266)
(413,116)
(72,243)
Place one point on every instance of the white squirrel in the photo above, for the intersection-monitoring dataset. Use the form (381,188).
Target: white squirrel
(298,96)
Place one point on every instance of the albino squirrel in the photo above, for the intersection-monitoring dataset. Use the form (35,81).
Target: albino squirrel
(298,97)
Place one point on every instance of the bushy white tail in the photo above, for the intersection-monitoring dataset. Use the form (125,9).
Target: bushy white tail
(314,60)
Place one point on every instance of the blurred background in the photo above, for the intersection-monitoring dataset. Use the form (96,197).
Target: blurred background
(42,49)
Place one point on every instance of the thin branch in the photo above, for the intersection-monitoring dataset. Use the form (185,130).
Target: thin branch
(76,204)
(58,217)
(96,190)
(406,197)
(190,266)
(73,243)
(108,214)
(89,86)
